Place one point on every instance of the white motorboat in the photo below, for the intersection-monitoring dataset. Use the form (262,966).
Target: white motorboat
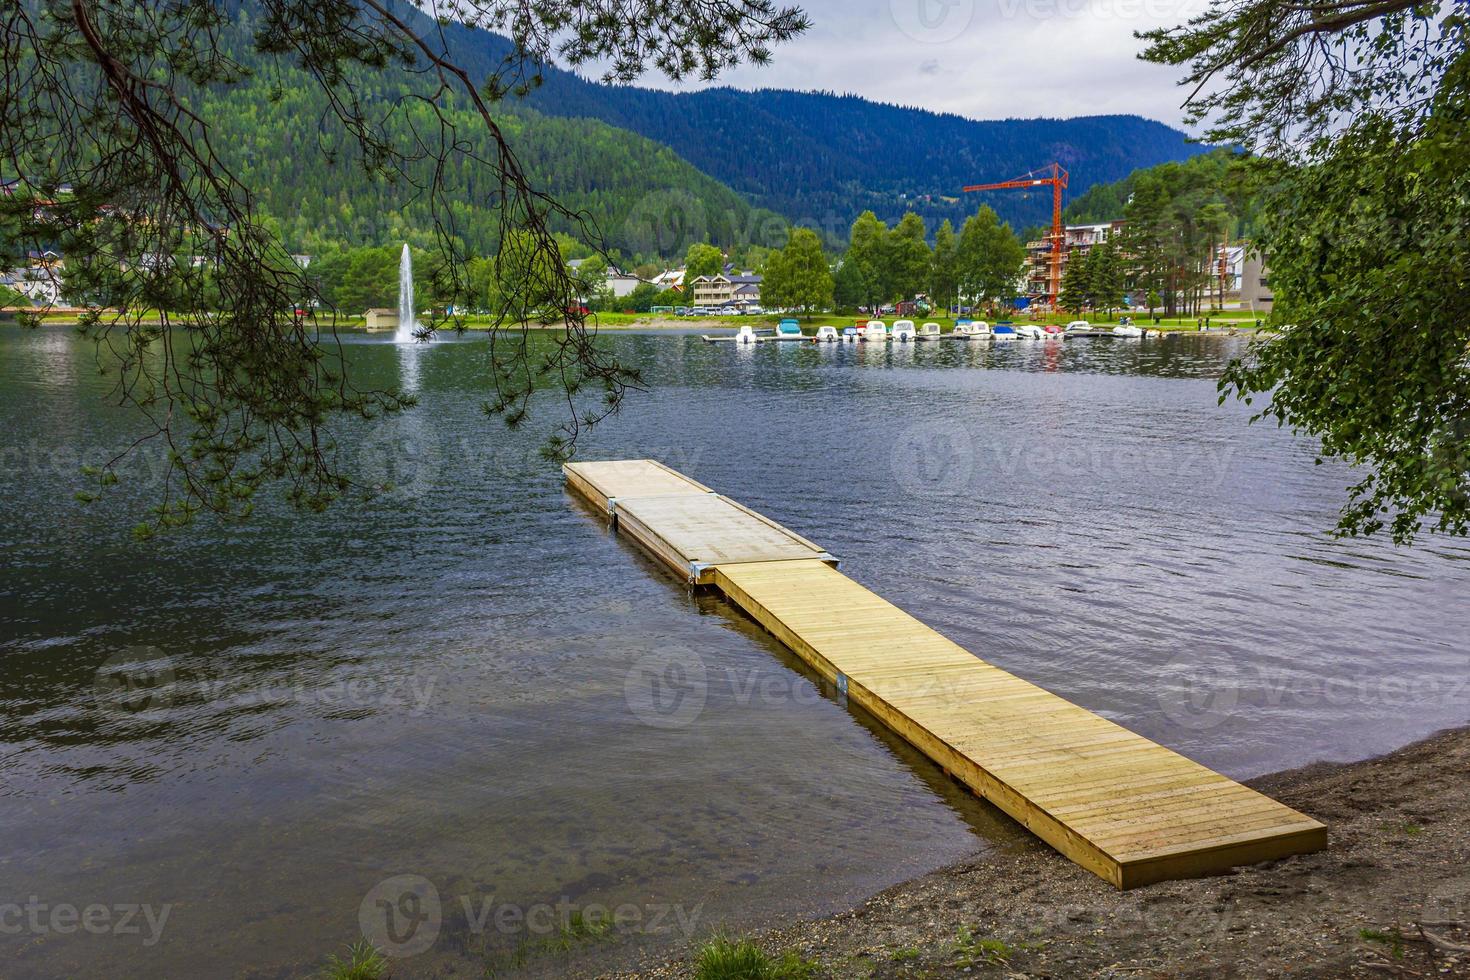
(826,335)
(903,331)
(875,332)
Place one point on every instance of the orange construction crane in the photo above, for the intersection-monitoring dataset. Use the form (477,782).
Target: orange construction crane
(1057,178)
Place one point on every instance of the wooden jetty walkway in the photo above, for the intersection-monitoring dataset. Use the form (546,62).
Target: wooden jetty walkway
(1124,808)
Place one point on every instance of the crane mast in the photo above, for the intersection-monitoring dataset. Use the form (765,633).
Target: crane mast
(1055,176)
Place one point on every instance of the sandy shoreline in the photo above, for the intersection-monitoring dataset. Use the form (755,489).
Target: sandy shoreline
(1389,897)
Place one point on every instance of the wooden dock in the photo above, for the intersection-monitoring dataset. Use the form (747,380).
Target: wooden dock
(1124,808)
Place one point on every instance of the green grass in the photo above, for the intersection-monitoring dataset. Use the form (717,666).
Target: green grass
(905,955)
(970,949)
(723,958)
(578,930)
(362,962)
(1394,940)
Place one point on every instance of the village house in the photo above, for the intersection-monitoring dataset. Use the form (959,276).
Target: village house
(727,289)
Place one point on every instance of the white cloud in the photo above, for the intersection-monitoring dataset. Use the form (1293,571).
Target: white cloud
(985,59)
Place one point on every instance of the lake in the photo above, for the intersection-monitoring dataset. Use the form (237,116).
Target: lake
(222,749)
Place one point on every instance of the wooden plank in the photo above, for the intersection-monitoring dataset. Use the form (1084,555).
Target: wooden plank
(1121,806)
(606,480)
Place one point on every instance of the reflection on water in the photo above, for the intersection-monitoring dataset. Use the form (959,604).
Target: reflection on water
(259,725)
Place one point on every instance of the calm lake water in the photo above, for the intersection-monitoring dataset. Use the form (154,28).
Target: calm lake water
(220,750)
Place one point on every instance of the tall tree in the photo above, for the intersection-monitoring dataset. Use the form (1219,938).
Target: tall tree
(111,101)
(907,258)
(989,258)
(1360,111)
(848,288)
(702,259)
(944,267)
(1076,282)
(867,250)
(797,277)
(1147,235)
(1105,277)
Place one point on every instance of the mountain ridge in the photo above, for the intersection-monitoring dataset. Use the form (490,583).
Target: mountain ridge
(821,158)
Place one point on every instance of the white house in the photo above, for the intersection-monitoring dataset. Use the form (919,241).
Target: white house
(40,285)
(621,283)
(735,289)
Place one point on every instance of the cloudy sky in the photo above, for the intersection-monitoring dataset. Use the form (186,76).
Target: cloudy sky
(985,59)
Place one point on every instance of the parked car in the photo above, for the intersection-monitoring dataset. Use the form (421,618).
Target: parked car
(755,311)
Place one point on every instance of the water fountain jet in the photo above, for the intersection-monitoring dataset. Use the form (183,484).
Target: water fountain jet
(407,318)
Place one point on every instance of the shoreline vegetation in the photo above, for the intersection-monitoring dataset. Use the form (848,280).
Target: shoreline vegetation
(1389,896)
(1219,322)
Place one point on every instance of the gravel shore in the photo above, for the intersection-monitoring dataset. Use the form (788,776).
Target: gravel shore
(1389,897)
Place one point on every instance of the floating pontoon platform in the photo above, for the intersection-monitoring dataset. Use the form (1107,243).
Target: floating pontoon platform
(1119,805)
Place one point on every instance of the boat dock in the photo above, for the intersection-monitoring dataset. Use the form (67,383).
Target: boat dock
(1121,806)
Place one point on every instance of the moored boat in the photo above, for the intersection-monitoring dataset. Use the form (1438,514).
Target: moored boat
(971,329)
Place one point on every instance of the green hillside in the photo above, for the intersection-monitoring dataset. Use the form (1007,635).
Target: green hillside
(273,127)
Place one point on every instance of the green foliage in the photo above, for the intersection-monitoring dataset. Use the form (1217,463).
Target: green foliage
(848,288)
(798,276)
(1368,259)
(1105,277)
(1364,230)
(989,258)
(357,279)
(1093,280)
(702,259)
(907,257)
(644,297)
(1393,939)
(723,958)
(944,270)
(970,949)
(362,962)
(867,254)
(1075,285)
(1177,214)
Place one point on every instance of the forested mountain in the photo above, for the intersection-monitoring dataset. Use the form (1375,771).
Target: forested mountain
(1217,177)
(273,126)
(821,159)
(654,170)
